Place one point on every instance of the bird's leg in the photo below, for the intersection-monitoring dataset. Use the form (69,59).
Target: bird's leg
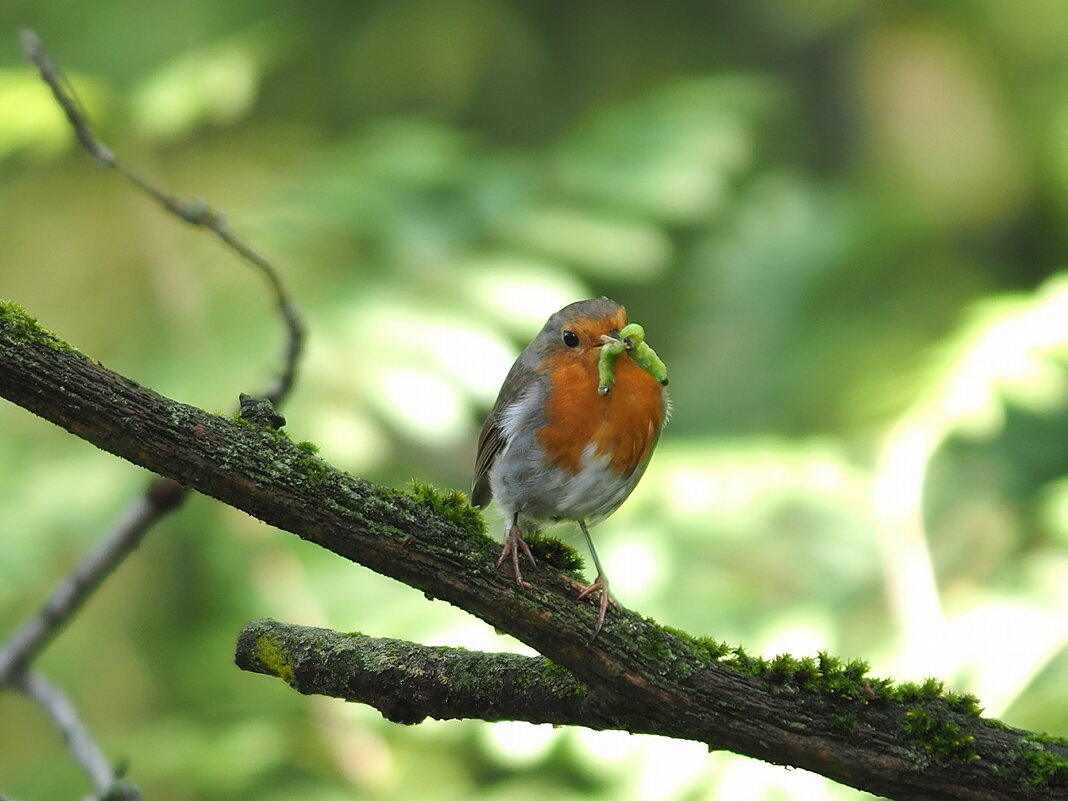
(600,583)
(513,544)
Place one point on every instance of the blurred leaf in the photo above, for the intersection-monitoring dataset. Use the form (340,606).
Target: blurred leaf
(212,85)
(608,245)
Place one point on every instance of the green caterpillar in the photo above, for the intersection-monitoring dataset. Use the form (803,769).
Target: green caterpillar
(631,340)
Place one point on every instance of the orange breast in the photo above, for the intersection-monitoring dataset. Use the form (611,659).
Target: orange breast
(623,425)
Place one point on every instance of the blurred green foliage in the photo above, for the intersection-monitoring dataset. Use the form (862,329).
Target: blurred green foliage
(839,222)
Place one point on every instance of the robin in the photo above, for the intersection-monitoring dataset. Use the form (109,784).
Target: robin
(559,445)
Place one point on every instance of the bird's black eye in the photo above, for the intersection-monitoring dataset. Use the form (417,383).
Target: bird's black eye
(570,339)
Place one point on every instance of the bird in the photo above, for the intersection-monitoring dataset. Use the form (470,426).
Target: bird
(558,444)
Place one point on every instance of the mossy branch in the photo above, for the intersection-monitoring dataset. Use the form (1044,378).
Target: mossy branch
(408,683)
(820,714)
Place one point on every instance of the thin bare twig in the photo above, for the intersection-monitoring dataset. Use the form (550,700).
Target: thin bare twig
(81,744)
(194,211)
(23,646)
(163,495)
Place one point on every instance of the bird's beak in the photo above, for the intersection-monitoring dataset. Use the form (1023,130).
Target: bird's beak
(614,337)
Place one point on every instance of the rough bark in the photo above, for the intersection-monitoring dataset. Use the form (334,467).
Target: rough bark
(905,743)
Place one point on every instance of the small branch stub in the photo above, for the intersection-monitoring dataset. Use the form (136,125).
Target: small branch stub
(260,412)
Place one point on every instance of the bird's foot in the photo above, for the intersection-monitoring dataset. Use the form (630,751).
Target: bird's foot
(601,584)
(513,544)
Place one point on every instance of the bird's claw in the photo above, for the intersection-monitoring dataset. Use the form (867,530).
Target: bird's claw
(606,598)
(513,544)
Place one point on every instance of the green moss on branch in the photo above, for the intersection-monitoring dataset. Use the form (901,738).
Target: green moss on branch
(17,324)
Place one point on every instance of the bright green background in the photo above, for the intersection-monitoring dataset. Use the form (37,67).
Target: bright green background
(840,222)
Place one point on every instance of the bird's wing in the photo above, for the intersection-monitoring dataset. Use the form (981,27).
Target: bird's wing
(494,437)
(490,443)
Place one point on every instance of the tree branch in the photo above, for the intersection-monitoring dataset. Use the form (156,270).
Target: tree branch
(904,742)
(408,683)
